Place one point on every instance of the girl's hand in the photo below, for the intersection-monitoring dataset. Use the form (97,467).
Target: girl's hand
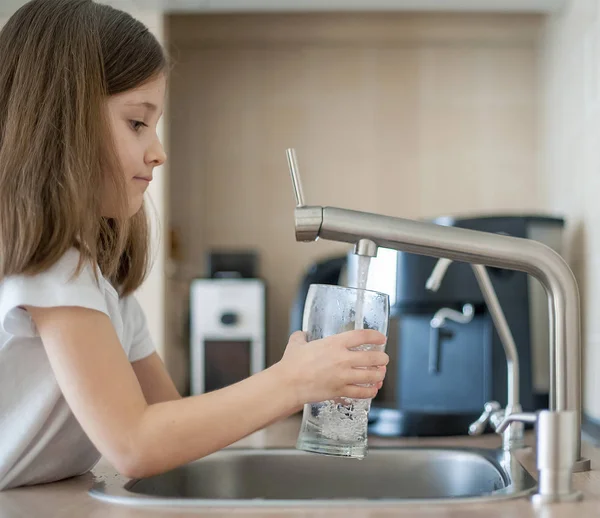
(326,369)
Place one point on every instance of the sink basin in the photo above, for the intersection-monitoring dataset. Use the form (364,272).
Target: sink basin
(243,477)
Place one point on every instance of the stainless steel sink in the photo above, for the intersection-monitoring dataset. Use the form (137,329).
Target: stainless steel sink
(264,477)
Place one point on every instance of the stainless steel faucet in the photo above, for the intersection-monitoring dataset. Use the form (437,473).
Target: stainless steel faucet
(512,435)
(368,231)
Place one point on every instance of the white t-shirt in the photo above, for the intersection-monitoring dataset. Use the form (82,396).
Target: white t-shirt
(40,439)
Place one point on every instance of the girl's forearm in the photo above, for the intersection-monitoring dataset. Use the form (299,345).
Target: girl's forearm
(177,432)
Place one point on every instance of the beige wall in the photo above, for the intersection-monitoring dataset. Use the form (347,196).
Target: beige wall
(407,115)
(570,170)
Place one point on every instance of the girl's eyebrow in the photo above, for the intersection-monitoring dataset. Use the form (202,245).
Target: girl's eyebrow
(146,104)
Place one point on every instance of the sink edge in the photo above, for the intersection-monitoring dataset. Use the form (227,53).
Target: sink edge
(519,484)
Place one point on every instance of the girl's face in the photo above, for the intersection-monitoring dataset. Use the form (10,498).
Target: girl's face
(133,117)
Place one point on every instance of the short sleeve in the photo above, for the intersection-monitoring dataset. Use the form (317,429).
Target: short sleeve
(141,344)
(57,286)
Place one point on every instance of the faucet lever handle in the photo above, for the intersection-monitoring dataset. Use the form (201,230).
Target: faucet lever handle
(295,174)
(519,417)
(489,409)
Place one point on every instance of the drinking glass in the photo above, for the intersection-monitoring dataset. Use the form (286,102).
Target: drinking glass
(339,427)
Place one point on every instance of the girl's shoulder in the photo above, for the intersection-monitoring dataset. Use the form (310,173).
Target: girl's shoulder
(63,284)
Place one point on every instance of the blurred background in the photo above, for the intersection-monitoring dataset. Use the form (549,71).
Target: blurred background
(478,113)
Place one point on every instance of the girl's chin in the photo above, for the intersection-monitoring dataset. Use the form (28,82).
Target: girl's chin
(135,205)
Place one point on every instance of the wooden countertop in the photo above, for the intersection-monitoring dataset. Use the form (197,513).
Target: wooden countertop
(70,498)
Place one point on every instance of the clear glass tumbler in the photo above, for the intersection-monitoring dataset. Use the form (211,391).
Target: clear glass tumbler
(339,427)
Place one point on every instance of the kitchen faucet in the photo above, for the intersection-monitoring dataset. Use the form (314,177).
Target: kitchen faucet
(512,436)
(368,231)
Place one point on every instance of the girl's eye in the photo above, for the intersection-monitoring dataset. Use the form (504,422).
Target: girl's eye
(137,125)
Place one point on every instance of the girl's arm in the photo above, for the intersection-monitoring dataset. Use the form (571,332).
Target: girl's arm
(154,380)
(142,439)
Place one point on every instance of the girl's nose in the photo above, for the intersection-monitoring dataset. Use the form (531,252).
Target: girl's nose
(156,154)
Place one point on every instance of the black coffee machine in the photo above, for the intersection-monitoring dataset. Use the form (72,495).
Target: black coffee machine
(441,385)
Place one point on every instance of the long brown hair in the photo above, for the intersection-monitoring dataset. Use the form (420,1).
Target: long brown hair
(59,60)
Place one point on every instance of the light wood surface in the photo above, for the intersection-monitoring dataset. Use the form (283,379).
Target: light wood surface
(70,498)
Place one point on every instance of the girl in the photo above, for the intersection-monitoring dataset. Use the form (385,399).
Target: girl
(82,89)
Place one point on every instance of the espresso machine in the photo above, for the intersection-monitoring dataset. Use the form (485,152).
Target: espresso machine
(441,377)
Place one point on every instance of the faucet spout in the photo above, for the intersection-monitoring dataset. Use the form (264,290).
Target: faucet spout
(437,275)
(476,247)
